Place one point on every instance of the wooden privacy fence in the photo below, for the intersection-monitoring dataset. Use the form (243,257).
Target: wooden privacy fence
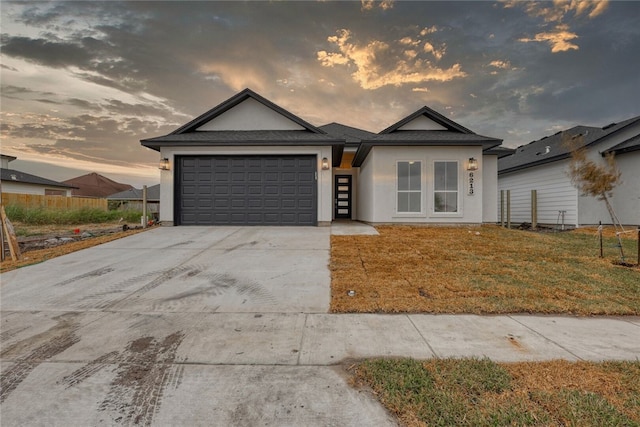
(53,202)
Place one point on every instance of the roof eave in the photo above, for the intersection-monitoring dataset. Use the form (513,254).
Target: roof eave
(534,164)
(366,146)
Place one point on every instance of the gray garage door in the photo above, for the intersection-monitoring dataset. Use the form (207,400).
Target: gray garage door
(246,190)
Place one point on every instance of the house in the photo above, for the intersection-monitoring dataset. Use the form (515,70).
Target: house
(132,199)
(95,185)
(542,165)
(14,181)
(249,161)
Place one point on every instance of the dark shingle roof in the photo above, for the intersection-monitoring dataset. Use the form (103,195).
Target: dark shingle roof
(243,137)
(631,144)
(351,135)
(26,178)
(153,194)
(500,151)
(551,148)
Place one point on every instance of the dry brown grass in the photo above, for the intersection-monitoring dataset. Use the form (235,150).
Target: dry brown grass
(484,269)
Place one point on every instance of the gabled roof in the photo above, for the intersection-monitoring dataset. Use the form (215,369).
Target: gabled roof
(153,194)
(235,100)
(189,134)
(26,178)
(454,135)
(551,148)
(430,114)
(95,185)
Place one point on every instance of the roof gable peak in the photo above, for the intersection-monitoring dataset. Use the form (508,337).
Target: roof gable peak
(233,113)
(426,119)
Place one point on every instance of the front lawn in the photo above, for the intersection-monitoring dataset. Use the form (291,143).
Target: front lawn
(485,269)
(473,392)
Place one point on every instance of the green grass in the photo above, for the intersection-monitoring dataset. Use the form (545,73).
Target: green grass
(479,392)
(44,216)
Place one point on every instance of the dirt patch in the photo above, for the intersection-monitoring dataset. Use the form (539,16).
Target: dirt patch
(77,243)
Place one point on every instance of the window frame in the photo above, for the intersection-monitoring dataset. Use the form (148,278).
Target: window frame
(420,191)
(458,211)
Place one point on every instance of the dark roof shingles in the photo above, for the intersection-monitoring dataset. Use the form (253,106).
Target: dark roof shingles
(26,178)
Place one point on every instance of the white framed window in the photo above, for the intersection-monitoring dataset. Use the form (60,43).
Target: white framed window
(409,187)
(445,187)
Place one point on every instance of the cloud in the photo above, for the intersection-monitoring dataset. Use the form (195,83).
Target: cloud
(505,65)
(370,4)
(378,63)
(559,39)
(556,13)
(437,53)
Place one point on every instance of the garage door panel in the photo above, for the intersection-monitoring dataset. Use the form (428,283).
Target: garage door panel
(216,190)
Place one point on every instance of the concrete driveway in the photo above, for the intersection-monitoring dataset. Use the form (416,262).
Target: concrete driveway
(184,269)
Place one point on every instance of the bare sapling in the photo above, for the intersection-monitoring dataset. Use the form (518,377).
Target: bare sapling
(594,179)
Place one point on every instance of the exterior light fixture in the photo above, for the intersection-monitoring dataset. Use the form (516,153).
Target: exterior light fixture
(325,164)
(473,164)
(164,164)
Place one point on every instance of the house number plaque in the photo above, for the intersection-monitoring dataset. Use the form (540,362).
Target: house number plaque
(471,188)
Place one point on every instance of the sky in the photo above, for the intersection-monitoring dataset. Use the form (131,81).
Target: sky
(83,81)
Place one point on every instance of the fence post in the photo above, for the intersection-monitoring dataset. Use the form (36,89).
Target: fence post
(534,209)
(501,208)
(144,206)
(508,208)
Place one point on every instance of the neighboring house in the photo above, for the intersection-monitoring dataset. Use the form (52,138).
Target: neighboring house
(95,185)
(14,181)
(543,166)
(249,161)
(132,199)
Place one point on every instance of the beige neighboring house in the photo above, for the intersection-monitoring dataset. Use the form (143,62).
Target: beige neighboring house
(250,162)
(14,181)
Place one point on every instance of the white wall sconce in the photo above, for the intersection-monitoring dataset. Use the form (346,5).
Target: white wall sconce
(325,164)
(164,164)
(472,165)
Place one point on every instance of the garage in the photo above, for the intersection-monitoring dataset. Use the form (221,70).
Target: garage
(246,190)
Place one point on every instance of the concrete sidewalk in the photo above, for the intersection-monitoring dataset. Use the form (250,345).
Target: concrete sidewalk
(104,367)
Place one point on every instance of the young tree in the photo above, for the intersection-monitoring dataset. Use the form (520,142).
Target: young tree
(593,179)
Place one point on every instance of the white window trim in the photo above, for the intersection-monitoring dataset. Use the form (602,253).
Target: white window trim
(432,192)
(422,212)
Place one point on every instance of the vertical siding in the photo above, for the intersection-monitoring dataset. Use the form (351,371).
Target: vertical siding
(555,193)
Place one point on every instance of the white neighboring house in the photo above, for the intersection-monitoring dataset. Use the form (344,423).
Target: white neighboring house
(14,181)
(543,166)
(249,161)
